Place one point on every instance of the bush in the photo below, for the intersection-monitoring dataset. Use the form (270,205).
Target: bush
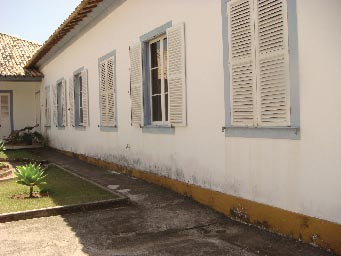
(30,175)
(38,137)
(2,146)
(27,138)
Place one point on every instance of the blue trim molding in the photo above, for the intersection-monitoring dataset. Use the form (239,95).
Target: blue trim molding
(263,132)
(78,71)
(292,132)
(145,38)
(154,129)
(76,99)
(155,32)
(11,107)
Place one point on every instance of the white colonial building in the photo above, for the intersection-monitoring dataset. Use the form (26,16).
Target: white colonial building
(237,102)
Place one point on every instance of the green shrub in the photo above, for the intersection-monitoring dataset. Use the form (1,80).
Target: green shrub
(27,138)
(30,175)
(2,146)
(38,137)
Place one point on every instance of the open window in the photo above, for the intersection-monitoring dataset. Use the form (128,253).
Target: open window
(158,83)
(78,98)
(59,104)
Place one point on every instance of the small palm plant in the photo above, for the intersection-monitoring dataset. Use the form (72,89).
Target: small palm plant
(30,175)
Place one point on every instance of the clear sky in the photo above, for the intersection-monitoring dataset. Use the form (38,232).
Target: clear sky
(34,20)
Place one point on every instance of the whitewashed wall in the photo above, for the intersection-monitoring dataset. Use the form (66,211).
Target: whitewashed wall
(24,111)
(303,175)
(300,176)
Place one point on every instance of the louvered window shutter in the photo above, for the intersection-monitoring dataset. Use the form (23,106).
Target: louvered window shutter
(85,100)
(48,106)
(63,102)
(272,63)
(107,92)
(44,106)
(136,85)
(242,62)
(176,73)
(111,90)
(71,102)
(103,94)
(55,106)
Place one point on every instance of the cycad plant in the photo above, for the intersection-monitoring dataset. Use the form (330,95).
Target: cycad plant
(30,175)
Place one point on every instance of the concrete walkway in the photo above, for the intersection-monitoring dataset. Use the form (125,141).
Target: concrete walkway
(158,222)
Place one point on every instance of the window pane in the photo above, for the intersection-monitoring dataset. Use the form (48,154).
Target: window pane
(59,104)
(4,109)
(165,64)
(156,82)
(59,87)
(81,116)
(156,103)
(155,54)
(4,100)
(166,106)
(80,92)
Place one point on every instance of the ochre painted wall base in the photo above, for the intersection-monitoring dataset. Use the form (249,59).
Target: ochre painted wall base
(320,232)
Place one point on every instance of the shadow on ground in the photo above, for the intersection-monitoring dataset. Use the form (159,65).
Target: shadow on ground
(158,222)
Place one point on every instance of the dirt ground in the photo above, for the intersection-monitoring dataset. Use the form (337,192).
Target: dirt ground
(4,173)
(158,222)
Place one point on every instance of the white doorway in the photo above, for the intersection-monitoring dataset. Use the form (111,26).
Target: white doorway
(5,115)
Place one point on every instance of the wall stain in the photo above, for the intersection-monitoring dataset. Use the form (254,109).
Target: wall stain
(312,230)
(262,224)
(240,214)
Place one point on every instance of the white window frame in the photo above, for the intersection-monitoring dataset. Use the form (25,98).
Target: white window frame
(164,122)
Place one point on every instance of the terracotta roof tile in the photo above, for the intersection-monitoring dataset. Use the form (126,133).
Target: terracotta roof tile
(77,16)
(14,55)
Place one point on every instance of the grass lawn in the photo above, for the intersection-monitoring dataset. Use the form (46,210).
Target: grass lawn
(18,153)
(64,189)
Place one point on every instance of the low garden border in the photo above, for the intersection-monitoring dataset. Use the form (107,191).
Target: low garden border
(122,200)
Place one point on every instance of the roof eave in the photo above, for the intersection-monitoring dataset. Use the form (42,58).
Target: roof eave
(21,78)
(81,11)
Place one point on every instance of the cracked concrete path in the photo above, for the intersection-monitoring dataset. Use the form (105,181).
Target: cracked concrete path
(158,222)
